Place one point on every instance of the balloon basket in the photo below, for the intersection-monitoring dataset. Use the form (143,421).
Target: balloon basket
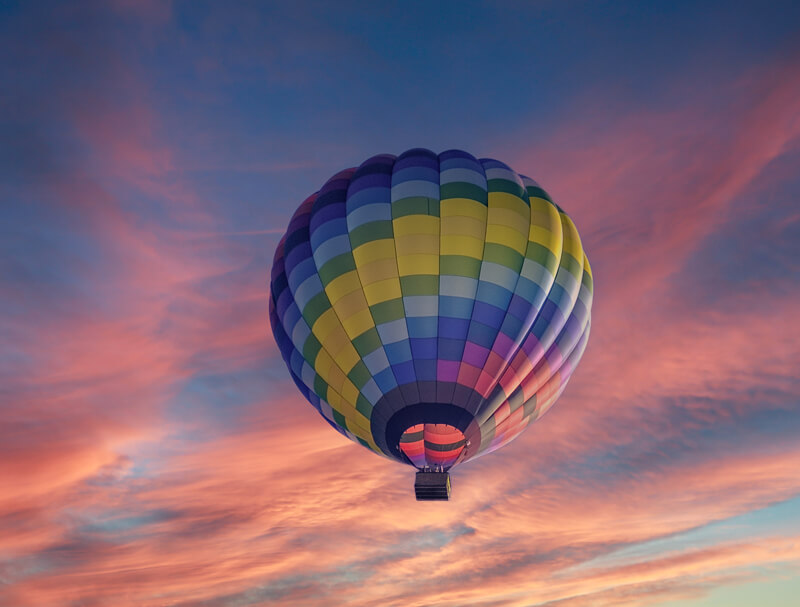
(432,486)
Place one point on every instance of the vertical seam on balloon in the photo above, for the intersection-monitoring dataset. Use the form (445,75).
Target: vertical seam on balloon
(476,394)
(563,218)
(565,355)
(524,330)
(358,274)
(556,394)
(521,382)
(558,263)
(438,285)
(516,284)
(478,280)
(463,338)
(438,262)
(586,323)
(324,347)
(294,347)
(400,282)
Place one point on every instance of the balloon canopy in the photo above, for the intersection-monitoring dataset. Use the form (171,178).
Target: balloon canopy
(430,306)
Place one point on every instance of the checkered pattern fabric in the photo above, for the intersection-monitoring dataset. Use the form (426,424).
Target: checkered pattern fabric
(431,306)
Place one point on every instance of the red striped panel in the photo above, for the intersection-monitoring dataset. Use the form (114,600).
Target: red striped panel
(434,445)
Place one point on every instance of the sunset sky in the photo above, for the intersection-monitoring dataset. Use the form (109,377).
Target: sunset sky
(153,449)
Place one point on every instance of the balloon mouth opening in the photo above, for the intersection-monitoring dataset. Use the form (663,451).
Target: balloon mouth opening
(433,446)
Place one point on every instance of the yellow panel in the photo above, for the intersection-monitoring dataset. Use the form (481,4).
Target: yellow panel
(546,226)
(342,285)
(335,400)
(335,340)
(507,236)
(350,394)
(347,357)
(544,230)
(322,365)
(378,270)
(541,204)
(350,304)
(358,425)
(408,245)
(466,226)
(332,375)
(510,218)
(418,264)
(356,324)
(340,405)
(572,241)
(547,220)
(382,290)
(462,245)
(462,206)
(337,379)
(415,225)
(324,326)
(504,200)
(376,249)
(343,406)
(551,240)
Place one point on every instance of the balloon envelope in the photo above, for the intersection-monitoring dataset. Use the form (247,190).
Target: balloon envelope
(430,306)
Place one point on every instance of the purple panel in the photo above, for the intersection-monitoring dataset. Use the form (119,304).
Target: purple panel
(447,370)
(490,315)
(404,372)
(425,369)
(474,354)
(455,328)
(423,347)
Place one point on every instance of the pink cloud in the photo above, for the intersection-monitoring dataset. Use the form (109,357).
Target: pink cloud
(275,502)
(657,182)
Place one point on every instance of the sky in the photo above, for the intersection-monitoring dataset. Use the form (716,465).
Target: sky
(153,450)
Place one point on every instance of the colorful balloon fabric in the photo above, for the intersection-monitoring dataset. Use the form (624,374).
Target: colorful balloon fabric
(430,306)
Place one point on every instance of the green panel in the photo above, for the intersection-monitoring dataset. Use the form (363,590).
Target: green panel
(530,405)
(320,387)
(311,349)
(509,187)
(359,374)
(339,419)
(460,265)
(367,342)
(535,192)
(460,189)
(316,307)
(387,311)
(588,282)
(572,265)
(542,255)
(363,406)
(420,284)
(503,255)
(334,268)
(415,205)
(367,232)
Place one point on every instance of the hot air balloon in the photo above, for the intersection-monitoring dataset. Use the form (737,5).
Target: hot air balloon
(430,306)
